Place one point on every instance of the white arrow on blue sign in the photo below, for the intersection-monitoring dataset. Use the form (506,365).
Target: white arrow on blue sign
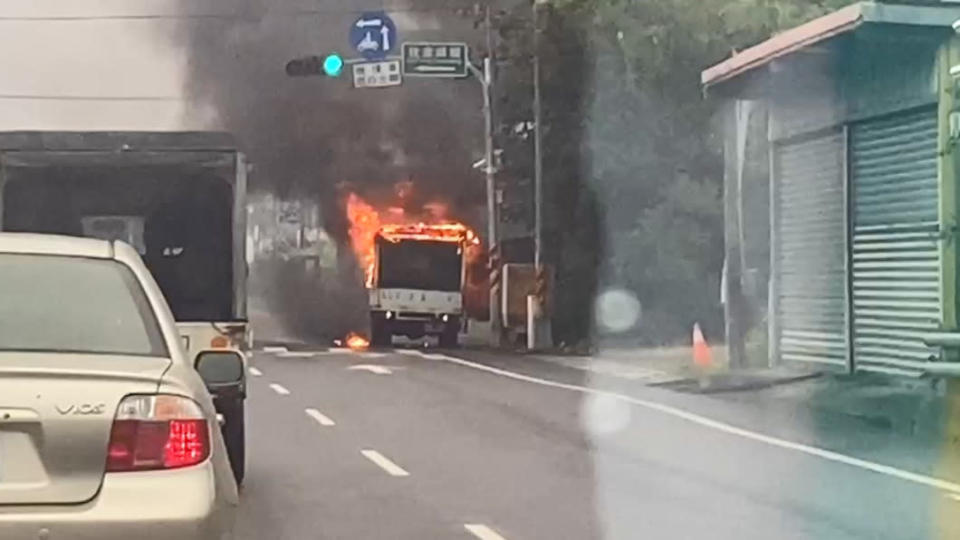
(374,35)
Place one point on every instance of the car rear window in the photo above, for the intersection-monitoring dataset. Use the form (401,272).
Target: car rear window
(74,304)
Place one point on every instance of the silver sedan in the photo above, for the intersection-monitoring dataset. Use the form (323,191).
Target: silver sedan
(106,429)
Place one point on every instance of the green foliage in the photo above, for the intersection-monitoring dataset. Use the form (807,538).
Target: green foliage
(626,123)
(671,259)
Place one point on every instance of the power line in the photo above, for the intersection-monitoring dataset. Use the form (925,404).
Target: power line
(230,16)
(51,97)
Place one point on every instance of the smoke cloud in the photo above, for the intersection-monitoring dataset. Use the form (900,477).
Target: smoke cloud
(314,137)
(318,138)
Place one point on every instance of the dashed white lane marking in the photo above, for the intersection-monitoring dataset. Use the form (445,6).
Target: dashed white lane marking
(255,372)
(279,389)
(275,349)
(377,370)
(381,461)
(482,532)
(296,354)
(828,455)
(321,418)
(347,350)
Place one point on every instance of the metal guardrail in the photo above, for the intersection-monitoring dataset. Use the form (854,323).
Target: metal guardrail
(949,340)
(945,340)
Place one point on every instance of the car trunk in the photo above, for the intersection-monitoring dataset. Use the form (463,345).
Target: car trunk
(56,411)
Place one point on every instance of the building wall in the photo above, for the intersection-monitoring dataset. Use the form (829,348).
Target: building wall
(865,85)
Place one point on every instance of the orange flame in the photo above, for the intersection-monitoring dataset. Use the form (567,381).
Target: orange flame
(364,224)
(394,225)
(357,342)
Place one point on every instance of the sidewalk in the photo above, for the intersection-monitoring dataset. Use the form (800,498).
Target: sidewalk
(913,424)
(654,365)
(923,412)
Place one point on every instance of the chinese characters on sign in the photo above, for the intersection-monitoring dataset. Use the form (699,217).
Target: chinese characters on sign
(435,59)
(377,74)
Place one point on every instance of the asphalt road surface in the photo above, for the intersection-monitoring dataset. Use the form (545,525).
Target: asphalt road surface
(398,445)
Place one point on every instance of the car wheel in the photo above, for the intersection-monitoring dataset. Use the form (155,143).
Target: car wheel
(234,436)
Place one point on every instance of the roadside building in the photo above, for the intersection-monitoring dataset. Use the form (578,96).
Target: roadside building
(843,248)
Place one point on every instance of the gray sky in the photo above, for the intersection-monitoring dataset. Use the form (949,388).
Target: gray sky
(48,64)
(48,59)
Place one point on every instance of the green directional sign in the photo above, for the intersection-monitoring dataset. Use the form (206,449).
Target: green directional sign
(433,59)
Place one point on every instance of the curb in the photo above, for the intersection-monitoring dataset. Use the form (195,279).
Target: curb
(696,386)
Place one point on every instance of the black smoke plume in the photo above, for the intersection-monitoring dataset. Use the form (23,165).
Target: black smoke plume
(315,138)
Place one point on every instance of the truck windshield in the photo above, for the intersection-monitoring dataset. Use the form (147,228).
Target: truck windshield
(420,265)
(74,304)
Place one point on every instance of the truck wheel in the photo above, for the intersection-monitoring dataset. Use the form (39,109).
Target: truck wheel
(380,335)
(449,339)
(234,436)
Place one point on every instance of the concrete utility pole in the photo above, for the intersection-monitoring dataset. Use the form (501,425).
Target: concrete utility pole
(539,332)
(485,77)
(537,144)
(486,80)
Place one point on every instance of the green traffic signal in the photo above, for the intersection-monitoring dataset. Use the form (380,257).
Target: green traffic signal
(333,65)
(307,66)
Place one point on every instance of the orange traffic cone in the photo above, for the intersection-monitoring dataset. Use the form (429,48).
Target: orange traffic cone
(702,356)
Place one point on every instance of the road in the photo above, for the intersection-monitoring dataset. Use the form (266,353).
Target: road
(398,444)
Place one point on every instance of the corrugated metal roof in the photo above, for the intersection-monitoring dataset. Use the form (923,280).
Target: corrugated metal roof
(817,30)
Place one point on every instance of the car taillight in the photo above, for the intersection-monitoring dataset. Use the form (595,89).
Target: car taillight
(157,432)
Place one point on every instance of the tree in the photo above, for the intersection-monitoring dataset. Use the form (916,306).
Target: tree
(633,169)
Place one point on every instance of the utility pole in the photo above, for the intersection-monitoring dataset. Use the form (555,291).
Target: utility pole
(485,77)
(539,331)
(486,80)
(496,328)
(537,145)
(492,217)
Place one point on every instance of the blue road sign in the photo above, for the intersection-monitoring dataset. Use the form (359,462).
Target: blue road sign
(374,35)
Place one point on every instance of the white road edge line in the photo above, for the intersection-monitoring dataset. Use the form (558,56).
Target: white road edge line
(381,461)
(828,455)
(255,372)
(321,418)
(482,532)
(279,389)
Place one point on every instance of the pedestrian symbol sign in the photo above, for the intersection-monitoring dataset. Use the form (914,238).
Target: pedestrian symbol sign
(373,35)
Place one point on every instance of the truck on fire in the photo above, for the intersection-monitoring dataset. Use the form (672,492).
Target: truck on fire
(415,282)
(179,198)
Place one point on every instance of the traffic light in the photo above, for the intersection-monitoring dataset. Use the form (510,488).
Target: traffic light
(330,65)
(333,65)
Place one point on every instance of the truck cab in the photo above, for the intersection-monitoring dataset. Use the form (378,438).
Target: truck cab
(416,283)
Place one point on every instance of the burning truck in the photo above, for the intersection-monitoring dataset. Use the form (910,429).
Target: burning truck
(416,281)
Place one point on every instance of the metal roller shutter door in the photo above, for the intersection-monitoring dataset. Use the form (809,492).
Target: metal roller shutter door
(811,285)
(896,259)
